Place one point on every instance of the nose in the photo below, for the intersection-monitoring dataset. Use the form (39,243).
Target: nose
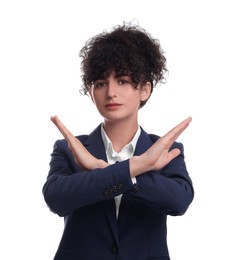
(111,90)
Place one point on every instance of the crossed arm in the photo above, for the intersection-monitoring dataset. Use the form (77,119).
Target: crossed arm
(155,158)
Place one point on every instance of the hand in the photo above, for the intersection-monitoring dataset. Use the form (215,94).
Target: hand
(81,155)
(158,155)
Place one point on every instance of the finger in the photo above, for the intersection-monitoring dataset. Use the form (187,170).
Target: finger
(175,132)
(81,155)
(73,143)
(61,127)
(173,153)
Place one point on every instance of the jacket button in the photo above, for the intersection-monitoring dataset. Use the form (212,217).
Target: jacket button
(114,189)
(120,186)
(106,193)
(136,188)
(114,250)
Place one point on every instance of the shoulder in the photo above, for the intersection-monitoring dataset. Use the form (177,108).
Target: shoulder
(153,138)
(84,138)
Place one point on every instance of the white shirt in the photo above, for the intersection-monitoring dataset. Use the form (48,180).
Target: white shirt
(113,157)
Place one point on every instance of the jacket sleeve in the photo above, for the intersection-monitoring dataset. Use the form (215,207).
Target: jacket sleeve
(68,187)
(169,190)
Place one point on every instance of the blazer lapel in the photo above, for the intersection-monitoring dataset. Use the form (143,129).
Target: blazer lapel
(144,142)
(94,144)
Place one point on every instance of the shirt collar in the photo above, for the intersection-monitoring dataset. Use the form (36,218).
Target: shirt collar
(108,144)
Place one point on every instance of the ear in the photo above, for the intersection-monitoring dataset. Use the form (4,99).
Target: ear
(145,91)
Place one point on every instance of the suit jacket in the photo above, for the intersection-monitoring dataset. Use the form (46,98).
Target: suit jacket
(86,201)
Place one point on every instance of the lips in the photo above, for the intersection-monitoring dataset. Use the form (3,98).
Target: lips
(113,105)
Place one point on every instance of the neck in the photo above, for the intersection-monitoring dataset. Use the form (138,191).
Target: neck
(120,133)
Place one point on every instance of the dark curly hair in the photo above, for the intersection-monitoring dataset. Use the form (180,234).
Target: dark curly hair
(126,50)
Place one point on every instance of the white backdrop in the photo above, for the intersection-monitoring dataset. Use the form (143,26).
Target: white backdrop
(40,77)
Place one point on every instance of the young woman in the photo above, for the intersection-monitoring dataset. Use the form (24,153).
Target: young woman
(116,186)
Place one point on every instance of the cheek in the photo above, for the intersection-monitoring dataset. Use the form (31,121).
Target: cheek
(95,97)
(98,102)
(134,100)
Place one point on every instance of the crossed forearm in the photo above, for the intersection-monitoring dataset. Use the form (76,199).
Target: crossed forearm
(155,158)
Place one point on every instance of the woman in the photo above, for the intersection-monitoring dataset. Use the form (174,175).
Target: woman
(116,186)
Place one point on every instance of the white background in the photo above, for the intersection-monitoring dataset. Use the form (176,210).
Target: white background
(40,77)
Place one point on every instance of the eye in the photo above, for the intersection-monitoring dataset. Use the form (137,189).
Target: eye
(99,84)
(123,81)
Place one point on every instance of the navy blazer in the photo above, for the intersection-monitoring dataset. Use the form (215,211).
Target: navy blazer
(86,200)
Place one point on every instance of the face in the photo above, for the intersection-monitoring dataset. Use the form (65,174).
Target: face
(117,99)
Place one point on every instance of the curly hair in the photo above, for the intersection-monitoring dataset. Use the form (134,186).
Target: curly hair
(126,50)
